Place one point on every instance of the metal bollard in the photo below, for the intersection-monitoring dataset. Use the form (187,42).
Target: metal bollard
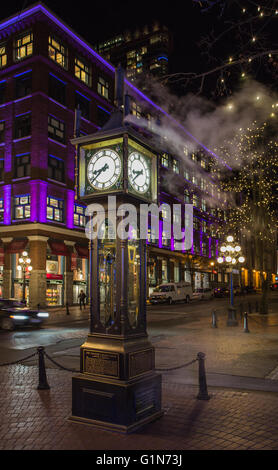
(245,323)
(203,391)
(214,319)
(67,308)
(43,385)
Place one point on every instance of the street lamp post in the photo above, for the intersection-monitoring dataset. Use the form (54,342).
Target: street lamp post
(24,262)
(231,256)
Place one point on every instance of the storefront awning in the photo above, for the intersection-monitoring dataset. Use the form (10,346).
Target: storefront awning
(16,246)
(58,248)
(82,251)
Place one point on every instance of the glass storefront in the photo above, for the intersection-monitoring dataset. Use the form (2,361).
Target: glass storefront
(55,280)
(80,274)
(152,280)
(17,279)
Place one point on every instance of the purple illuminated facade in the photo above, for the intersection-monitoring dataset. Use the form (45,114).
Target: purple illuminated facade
(46,72)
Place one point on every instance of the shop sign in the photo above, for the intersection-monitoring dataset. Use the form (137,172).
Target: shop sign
(54,276)
(52,267)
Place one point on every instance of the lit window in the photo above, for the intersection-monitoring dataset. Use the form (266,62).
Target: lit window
(187,197)
(165,160)
(24,46)
(1,210)
(193,157)
(176,166)
(103,88)
(203,164)
(195,200)
(82,71)
(3,56)
(55,209)
(56,129)
(22,207)
(57,52)
(204,205)
(79,216)
(135,109)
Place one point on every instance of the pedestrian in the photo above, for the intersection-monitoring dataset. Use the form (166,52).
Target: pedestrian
(82,296)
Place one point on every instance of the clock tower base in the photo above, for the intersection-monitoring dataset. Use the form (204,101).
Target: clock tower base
(126,393)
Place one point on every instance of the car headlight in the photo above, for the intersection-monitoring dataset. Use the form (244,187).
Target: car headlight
(43,315)
(19,317)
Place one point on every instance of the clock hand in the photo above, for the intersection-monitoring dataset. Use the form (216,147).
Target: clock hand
(104,168)
(139,172)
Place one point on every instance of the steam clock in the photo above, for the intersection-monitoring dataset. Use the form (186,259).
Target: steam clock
(117,387)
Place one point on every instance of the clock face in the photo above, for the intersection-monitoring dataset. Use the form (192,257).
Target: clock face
(104,169)
(138,172)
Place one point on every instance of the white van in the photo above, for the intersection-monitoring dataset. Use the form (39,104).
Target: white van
(172,292)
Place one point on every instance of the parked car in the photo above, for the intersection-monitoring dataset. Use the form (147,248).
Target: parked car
(172,292)
(274,286)
(203,294)
(221,292)
(14,313)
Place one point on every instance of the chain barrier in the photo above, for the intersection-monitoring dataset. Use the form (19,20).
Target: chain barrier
(59,365)
(177,367)
(18,361)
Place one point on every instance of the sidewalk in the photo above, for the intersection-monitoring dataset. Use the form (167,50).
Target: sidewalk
(230,420)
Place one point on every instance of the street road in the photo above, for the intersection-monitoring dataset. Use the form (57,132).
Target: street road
(165,322)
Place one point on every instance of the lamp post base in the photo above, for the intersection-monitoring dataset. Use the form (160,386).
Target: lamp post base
(232,321)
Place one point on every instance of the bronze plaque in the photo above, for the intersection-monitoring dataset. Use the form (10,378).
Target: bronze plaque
(100,363)
(141,362)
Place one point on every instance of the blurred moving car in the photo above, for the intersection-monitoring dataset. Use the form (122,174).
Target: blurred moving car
(172,292)
(249,290)
(203,294)
(14,313)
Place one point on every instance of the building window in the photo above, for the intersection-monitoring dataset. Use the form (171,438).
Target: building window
(23,85)
(165,160)
(22,126)
(84,105)
(55,209)
(2,131)
(1,210)
(1,169)
(24,46)
(195,200)
(136,109)
(22,165)
(56,169)
(103,88)
(57,52)
(2,92)
(187,197)
(204,205)
(56,129)
(3,56)
(102,116)
(79,216)
(57,89)
(82,71)
(176,166)
(22,207)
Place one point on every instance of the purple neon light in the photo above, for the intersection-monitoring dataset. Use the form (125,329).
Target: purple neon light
(40,7)
(70,208)
(7,203)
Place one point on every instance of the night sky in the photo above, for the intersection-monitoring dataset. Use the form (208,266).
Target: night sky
(97,20)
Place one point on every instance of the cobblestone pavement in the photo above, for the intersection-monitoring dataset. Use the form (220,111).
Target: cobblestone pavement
(37,420)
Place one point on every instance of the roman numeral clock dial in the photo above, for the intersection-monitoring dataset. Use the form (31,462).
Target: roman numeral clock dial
(104,169)
(138,172)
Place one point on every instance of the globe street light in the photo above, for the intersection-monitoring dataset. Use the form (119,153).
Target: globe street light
(25,264)
(230,256)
